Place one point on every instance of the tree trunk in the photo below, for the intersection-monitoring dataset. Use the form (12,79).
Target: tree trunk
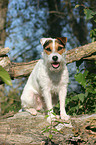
(54,28)
(3,12)
(79,28)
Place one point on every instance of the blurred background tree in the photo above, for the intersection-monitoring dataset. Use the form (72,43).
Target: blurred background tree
(24,22)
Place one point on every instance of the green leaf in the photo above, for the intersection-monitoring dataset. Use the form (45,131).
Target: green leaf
(50,136)
(43,129)
(86,94)
(85,73)
(46,116)
(53,113)
(88,13)
(81,97)
(95,110)
(74,114)
(49,110)
(91,90)
(74,108)
(47,130)
(5,76)
(74,98)
(80,78)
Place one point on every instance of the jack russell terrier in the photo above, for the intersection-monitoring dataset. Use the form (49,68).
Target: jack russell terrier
(49,77)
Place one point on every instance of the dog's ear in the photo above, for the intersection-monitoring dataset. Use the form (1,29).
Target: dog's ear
(62,39)
(43,40)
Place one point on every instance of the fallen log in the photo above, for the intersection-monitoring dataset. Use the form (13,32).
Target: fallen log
(23,128)
(4,51)
(86,52)
(82,52)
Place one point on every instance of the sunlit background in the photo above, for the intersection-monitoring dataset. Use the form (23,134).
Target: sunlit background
(27,21)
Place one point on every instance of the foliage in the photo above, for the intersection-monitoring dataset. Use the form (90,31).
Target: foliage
(4,76)
(93,35)
(85,101)
(50,128)
(89,13)
(10,100)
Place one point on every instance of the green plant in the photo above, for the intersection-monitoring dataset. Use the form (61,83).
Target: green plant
(90,14)
(4,76)
(50,128)
(85,101)
(10,101)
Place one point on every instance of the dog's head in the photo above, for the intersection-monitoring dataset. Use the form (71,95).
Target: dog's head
(53,52)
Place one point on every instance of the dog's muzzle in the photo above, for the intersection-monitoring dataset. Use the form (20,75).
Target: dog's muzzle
(55,64)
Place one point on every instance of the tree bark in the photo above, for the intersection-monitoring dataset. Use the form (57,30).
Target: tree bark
(23,128)
(79,28)
(53,19)
(4,51)
(86,52)
(3,12)
(82,52)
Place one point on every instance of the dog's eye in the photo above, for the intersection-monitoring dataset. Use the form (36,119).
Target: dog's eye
(60,48)
(48,49)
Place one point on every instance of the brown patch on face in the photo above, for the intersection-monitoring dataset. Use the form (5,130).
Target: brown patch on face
(48,47)
(59,47)
(63,40)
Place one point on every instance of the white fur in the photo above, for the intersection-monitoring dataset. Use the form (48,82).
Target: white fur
(44,39)
(45,81)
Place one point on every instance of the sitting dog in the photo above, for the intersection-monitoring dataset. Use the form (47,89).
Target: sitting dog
(49,77)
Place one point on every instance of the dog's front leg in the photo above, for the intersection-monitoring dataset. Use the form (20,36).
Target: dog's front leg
(62,97)
(48,100)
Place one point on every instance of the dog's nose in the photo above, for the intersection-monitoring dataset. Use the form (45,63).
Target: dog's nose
(55,58)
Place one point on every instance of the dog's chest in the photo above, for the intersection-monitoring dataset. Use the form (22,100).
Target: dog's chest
(55,82)
(52,81)
(47,82)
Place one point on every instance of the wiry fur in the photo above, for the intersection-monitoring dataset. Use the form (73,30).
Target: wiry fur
(45,81)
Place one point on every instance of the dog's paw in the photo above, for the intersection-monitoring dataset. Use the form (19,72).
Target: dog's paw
(65,117)
(32,111)
(51,118)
